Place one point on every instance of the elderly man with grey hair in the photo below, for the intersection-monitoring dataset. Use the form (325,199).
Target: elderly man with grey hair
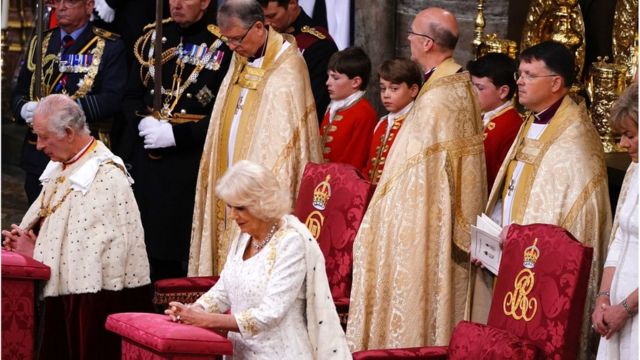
(86,227)
(264,112)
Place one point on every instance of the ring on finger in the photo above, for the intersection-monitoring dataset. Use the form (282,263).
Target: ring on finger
(178,318)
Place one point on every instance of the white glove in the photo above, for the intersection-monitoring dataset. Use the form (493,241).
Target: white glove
(147,123)
(105,12)
(27,111)
(160,136)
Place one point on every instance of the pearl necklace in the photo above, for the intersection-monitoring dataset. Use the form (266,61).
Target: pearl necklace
(267,238)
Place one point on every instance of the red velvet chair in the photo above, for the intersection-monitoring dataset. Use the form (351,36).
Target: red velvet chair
(19,275)
(331,201)
(537,306)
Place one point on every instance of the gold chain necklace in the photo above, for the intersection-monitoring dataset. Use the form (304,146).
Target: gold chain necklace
(47,210)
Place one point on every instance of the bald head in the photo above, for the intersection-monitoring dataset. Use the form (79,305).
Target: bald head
(439,24)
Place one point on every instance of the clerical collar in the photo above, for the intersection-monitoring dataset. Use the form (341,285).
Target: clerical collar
(74,34)
(544,116)
(428,74)
(196,27)
(261,50)
(83,151)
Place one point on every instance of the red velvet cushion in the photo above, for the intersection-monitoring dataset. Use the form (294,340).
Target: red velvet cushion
(559,287)
(477,341)
(160,334)
(432,352)
(338,221)
(15,265)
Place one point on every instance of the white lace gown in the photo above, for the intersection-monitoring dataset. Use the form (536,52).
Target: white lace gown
(623,255)
(266,294)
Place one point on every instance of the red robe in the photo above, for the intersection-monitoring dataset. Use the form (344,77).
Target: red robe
(380,148)
(499,134)
(348,138)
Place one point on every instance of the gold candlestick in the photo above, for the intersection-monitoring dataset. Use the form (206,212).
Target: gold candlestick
(605,83)
(479,29)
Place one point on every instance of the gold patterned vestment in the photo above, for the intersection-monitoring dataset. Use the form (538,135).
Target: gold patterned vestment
(411,252)
(277,129)
(564,183)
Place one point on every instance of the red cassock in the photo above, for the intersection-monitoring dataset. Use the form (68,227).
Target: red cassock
(348,138)
(380,147)
(499,134)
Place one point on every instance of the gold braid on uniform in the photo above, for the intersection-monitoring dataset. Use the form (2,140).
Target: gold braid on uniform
(84,85)
(138,52)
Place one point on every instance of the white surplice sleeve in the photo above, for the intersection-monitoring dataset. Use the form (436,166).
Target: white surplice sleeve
(286,274)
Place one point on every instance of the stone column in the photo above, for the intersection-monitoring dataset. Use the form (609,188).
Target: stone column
(375,30)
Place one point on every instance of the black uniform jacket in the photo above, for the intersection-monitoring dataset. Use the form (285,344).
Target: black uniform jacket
(316,46)
(165,179)
(100,101)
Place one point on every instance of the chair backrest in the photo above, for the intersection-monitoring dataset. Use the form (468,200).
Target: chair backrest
(332,201)
(541,288)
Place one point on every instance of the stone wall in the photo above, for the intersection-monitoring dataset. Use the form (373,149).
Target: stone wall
(381,29)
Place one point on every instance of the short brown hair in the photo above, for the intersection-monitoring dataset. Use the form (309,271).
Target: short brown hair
(401,70)
(352,61)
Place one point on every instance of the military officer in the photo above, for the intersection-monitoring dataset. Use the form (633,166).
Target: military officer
(79,59)
(168,142)
(314,42)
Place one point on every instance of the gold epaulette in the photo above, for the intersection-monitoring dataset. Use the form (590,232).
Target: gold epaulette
(105,34)
(153,24)
(310,30)
(215,30)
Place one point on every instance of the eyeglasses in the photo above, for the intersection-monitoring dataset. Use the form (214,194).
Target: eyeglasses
(69,3)
(238,41)
(410,32)
(528,77)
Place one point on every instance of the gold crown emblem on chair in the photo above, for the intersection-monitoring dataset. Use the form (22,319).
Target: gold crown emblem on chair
(531,255)
(321,194)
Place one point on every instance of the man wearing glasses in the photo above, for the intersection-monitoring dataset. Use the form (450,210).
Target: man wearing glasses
(80,60)
(264,113)
(411,252)
(314,42)
(555,172)
(167,142)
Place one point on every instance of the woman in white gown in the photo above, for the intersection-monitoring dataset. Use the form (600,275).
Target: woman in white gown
(273,283)
(615,314)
